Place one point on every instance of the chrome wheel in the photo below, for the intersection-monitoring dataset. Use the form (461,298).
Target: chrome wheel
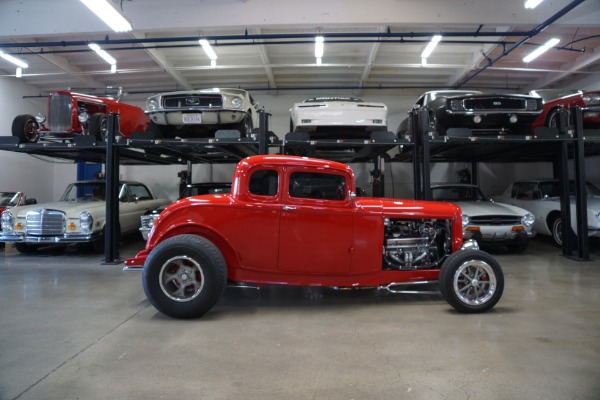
(181,278)
(474,282)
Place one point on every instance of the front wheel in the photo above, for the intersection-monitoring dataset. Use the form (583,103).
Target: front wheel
(471,281)
(98,126)
(245,126)
(556,229)
(184,276)
(26,128)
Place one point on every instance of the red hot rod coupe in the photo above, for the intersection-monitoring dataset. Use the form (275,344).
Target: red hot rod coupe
(71,114)
(297,221)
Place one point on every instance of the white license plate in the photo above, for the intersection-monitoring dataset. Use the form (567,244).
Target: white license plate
(192,118)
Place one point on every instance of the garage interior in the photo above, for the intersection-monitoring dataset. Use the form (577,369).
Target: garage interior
(75,326)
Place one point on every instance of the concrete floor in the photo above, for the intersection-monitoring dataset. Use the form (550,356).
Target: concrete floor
(72,328)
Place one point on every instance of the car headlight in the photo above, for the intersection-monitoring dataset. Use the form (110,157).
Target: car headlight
(528,220)
(83,117)
(531,105)
(85,222)
(456,104)
(40,118)
(236,102)
(466,220)
(590,99)
(152,104)
(7,222)
(147,221)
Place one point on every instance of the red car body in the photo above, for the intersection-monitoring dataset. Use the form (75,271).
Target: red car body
(555,100)
(71,114)
(13,199)
(302,231)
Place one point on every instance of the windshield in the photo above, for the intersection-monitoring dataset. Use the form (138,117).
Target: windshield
(551,94)
(84,191)
(9,199)
(457,193)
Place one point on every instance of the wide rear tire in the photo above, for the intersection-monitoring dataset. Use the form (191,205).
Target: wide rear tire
(26,128)
(98,126)
(184,276)
(471,281)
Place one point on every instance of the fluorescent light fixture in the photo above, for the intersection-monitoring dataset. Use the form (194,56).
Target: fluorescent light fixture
(208,49)
(14,60)
(109,14)
(532,3)
(19,72)
(541,50)
(423,61)
(213,63)
(319,60)
(107,57)
(429,49)
(319,46)
(113,68)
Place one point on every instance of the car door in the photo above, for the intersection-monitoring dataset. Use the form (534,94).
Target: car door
(316,223)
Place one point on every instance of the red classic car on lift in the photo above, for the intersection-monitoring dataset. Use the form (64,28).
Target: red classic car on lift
(297,221)
(71,114)
(556,100)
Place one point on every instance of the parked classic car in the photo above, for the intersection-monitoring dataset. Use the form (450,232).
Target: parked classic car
(14,199)
(542,198)
(482,113)
(71,114)
(192,189)
(338,117)
(557,99)
(78,217)
(297,221)
(488,222)
(200,113)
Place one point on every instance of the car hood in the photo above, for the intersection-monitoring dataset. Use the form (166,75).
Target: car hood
(479,208)
(72,207)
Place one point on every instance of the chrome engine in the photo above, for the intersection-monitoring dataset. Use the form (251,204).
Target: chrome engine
(415,244)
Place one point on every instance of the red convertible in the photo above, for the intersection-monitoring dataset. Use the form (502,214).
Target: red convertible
(297,221)
(557,99)
(71,114)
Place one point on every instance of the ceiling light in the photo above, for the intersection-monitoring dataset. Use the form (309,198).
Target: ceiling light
(541,50)
(319,46)
(107,57)
(429,49)
(108,13)
(532,3)
(14,60)
(208,49)
(19,72)
(319,60)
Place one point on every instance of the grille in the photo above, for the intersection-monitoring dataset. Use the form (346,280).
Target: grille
(59,116)
(495,103)
(496,220)
(45,222)
(193,101)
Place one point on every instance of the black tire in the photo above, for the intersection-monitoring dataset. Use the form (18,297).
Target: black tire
(26,128)
(245,126)
(98,126)
(552,118)
(518,248)
(471,281)
(184,276)
(26,248)
(555,225)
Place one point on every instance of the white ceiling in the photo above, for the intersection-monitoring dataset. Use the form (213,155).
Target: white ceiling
(267,46)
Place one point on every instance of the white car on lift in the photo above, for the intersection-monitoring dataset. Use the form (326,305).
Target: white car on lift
(542,198)
(200,113)
(334,117)
(488,222)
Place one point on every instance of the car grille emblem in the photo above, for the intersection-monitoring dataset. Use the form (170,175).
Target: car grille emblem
(192,101)
(497,103)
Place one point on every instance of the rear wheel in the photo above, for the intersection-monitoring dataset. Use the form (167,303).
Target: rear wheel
(26,128)
(184,276)
(471,281)
(98,126)
(556,229)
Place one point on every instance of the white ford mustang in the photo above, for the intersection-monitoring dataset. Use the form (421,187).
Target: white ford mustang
(338,117)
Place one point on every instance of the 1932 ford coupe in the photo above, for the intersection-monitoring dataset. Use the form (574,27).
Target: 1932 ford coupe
(297,221)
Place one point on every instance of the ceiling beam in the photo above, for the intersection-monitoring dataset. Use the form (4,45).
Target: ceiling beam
(370,60)
(264,56)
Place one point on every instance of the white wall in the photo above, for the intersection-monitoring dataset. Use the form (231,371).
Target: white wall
(47,179)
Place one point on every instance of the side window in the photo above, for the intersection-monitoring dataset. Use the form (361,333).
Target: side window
(314,185)
(140,192)
(264,182)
